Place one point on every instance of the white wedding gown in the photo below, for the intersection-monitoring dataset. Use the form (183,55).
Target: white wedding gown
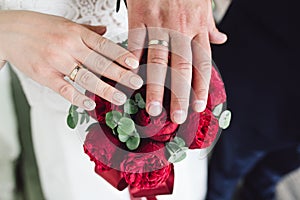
(65,171)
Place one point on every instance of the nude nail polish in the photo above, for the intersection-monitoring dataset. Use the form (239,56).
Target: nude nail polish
(89,104)
(199,105)
(131,62)
(179,116)
(119,98)
(154,108)
(136,82)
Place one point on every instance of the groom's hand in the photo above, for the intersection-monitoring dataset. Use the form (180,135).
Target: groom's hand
(184,28)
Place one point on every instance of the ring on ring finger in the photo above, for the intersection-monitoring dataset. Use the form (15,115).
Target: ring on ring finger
(158,42)
(74,72)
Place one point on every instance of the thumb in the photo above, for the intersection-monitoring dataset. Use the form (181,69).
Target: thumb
(97,29)
(217,37)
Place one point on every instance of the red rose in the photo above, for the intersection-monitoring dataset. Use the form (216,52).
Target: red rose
(146,168)
(102,147)
(102,107)
(216,89)
(159,128)
(200,130)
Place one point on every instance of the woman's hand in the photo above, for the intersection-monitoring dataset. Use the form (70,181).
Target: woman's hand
(188,27)
(47,48)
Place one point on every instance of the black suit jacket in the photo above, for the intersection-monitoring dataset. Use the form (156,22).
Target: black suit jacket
(260,68)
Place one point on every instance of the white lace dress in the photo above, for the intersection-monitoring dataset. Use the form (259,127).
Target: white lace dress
(65,171)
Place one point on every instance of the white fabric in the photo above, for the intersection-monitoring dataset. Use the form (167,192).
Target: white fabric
(9,145)
(288,186)
(65,171)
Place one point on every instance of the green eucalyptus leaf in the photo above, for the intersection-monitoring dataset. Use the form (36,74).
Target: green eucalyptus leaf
(177,157)
(133,143)
(112,118)
(73,109)
(172,147)
(123,137)
(135,133)
(213,5)
(179,141)
(82,119)
(224,120)
(141,104)
(72,121)
(126,125)
(184,148)
(217,110)
(130,107)
(140,101)
(90,126)
(124,44)
(87,118)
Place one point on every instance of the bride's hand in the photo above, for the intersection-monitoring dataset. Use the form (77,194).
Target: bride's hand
(47,48)
(187,27)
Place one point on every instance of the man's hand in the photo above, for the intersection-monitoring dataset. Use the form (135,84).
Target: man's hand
(188,27)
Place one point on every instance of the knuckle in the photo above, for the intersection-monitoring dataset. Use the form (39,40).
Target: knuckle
(122,74)
(50,53)
(66,42)
(65,91)
(101,64)
(71,27)
(201,92)
(205,71)
(159,59)
(155,92)
(202,27)
(40,70)
(100,43)
(36,69)
(181,101)
(204,65)
(76,98)
(86,76)
(103,89)
(184,66)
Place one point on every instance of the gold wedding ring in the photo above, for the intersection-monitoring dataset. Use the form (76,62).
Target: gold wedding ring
(159,42)
(74,72)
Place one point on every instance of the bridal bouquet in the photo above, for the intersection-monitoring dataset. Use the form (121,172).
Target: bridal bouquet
(135,150)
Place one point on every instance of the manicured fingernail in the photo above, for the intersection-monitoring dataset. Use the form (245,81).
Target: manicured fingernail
(89,104)
(222,37)
(131,62)
(179,116)
(199,105)
(119,98)
(136,82)
(154,108)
